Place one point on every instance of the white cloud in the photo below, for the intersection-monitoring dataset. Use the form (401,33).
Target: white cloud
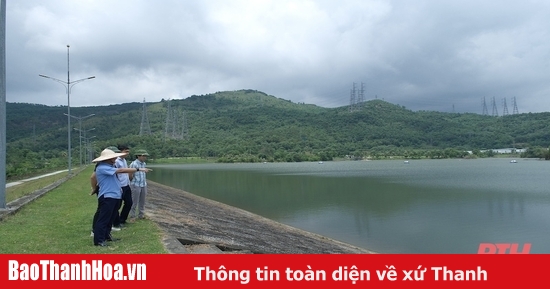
(423,54)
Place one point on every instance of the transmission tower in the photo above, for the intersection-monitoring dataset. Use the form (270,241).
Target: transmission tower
(144,128)
(175,128)
(361,97)
(515,104)
(505,107)
(175,134)
(352,99)
(495,110)
(184,129)
(485,112)
(169,118)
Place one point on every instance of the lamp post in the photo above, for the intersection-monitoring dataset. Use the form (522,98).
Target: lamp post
(80,118)
(68,85)
(89,150)
(2,104)
(85,138)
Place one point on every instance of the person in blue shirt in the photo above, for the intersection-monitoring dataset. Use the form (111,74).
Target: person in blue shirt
(109,195)
(95,189)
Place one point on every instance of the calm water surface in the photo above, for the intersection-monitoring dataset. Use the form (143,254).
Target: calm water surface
(425,206)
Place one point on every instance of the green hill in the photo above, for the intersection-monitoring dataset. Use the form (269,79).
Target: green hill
(249,125)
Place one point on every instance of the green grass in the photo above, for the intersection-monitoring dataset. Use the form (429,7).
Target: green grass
(60,222)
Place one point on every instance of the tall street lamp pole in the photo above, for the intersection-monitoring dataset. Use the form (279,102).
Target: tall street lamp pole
(89,145)
(80,118)
(68,85)
(84,137)
(2,104)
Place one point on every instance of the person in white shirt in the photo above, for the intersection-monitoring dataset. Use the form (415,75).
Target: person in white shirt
(124,180)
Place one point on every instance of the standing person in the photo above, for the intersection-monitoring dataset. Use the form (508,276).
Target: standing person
(109,194)
(124,179)
(95,189)
(139,185)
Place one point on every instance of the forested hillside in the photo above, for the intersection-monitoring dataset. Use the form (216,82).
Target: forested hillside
(250,126)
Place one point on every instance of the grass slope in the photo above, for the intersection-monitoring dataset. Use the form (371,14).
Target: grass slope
(60,222)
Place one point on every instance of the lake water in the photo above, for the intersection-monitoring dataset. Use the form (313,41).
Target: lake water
(389,206)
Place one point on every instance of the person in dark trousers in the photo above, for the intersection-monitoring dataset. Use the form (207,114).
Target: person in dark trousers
(124,179)
(95,190)
(109,194)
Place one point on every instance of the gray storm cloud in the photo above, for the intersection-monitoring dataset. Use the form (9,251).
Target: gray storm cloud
(425,55)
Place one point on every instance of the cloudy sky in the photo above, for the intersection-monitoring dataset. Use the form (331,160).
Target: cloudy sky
(422,54)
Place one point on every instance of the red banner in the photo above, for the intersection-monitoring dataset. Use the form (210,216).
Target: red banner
(273,271)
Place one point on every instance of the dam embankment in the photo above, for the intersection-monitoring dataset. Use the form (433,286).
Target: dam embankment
(193,224)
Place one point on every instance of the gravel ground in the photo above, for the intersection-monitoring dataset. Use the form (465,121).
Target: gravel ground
(193,224)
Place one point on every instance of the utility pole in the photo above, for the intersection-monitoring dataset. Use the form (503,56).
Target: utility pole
(68,85)
(2,104)
(89,147)
(80,118)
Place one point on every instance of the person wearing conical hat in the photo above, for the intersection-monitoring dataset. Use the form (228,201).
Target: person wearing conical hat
(109,194)
(95,189)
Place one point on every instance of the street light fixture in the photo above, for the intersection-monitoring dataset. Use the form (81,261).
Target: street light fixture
(80,118)
(68,85)
(85,131)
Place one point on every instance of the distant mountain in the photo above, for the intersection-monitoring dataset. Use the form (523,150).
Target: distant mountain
(249,125)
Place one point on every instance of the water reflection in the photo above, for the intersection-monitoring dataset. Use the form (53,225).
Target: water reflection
(433,208)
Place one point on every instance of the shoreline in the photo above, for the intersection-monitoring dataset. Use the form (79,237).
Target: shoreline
(193,224)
